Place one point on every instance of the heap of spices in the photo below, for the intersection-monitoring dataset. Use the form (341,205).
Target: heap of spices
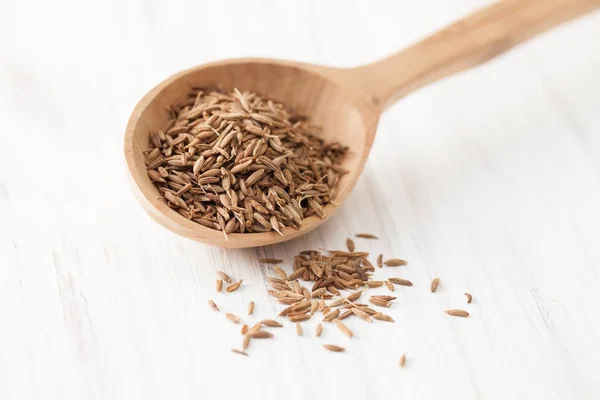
(237,162)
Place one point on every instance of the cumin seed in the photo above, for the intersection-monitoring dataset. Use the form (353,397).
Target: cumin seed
(457,313)
(232,317)
(333,347)
(233,287)
(366,236)
(395,262)
(224,276)
(434,284)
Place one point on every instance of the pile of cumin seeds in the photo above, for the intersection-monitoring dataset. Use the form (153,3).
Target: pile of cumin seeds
(238,162)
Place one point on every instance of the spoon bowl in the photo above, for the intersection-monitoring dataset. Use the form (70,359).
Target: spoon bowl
(345,103)
(309,89)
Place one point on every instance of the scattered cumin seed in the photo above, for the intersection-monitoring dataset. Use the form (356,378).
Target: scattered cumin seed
(434,284)
(318,330)
(389,285)
(360,313)
(343,328)
(469,297)
(400,281)
(330,316)
(280,272)
(250,308)
(395,262)
(300,318)
(219,284)
(271,260)
(244,329)
(380,260)
(383,317)
(352,297)
(350,244)
(298,329)
(239,352)
(345,314)
(379,302)
(366,236)
(233,287)
(224,276)
(232,317)
(261,335)
(255,328)
(402,360)
(457,313)
(383,297)
(213,305)
(314,307)
(333,347)
(246,341)
(271,323)
(374,284)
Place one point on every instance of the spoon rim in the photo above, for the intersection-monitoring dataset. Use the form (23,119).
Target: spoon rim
(161,213)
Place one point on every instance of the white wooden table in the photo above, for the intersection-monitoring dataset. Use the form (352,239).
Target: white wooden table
(496,190)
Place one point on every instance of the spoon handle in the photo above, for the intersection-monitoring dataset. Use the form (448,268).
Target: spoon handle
(462,45)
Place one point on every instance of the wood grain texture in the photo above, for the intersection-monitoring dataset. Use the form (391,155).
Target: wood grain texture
(495,190)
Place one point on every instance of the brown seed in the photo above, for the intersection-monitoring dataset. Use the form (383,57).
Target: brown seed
(352,297)
(281,273)
(298,329)
(330,316)
(350,244)
(374,284)
(383,317)
(366,236)
(255,328)
(434,284)
(389,285)
(233,287)
(244,329)
(333,347)
(246,341)
(457,313)
(261,335)
(343,328)
(271,260)
(337,302)
(380,260)
(224,276)
(318,330)
(384,297)
(213,305)
(239,352)
(232,317)
(380,302)
(395,262)
(469,297)
(400,281)
(271,323)
(360,313)
(250,308)
(219,284)
(314,307)
(345,314)
(402,360)
(300,318)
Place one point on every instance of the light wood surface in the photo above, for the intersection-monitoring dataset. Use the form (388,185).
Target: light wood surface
(346,103)
(495,189)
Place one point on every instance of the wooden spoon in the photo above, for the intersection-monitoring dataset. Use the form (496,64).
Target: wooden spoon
(346,103)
